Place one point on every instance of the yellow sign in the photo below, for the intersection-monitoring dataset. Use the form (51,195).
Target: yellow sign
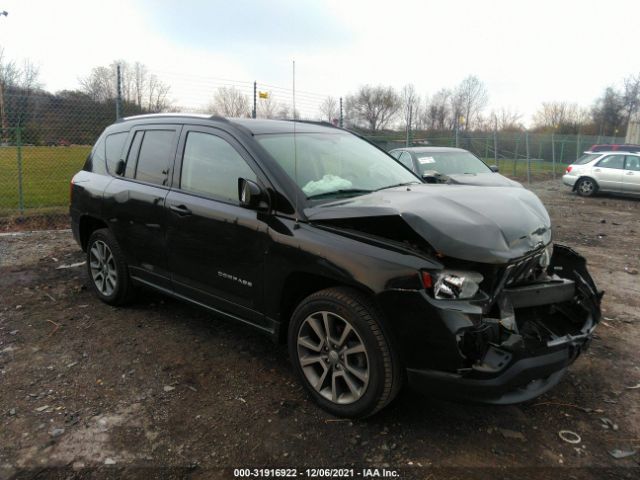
(263,94)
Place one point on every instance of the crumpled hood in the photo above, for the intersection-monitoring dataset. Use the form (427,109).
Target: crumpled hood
(483,179)
(480,224)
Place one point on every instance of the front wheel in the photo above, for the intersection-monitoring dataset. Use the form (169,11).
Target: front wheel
(108,272)
(341,353)
(586,187)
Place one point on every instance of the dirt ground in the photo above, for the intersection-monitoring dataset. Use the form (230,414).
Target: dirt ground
(165,390)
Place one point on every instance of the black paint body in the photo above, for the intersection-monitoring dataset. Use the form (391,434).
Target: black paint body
(256,265)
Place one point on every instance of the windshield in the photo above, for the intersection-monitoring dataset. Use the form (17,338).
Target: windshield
(451,163)
(586,158)
(333,164)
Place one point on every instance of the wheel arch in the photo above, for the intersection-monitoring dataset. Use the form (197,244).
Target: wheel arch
(299,285)
(582,177)
(86,226)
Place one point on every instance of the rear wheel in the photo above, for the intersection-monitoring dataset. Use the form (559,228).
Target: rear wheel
(342,355)
(108,272)
(586,187)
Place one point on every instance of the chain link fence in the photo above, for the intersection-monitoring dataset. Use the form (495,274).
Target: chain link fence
(45,139)
(522,155)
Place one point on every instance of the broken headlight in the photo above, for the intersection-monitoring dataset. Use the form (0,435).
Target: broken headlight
(545,257)
(456,284)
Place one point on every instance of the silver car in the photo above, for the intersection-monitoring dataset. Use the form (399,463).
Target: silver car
(616,172)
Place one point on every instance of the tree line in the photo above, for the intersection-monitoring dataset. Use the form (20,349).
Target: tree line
(72,116)
(79,115)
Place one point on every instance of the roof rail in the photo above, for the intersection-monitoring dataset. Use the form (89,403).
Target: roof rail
(315,122)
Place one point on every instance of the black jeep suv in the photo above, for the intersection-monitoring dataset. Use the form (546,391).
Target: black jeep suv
(311,234)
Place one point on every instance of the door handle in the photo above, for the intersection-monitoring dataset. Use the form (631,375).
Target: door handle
(596,170)
(629,173)
(180,210)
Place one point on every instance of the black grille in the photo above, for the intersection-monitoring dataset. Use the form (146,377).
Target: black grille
(524,270)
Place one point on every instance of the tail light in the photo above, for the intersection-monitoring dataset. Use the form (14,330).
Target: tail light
(568,169)
(70,191)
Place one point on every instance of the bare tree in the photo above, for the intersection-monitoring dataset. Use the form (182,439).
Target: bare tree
(631,96)
(100,84)
(556,115)
(230,102)
(505,119)
(329,109)
(12,76)
(373,107)
(437,111)
(267,107)
(470,99)
(410,105)
(139,87)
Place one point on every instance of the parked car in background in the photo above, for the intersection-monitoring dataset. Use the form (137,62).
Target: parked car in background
(614,172)
(450,165)
(316,237)
(626,147)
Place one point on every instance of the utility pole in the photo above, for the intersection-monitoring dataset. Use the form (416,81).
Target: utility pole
(118,93)
(255,102)
(3,114)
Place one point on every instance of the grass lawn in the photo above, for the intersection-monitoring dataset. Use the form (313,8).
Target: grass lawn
(518,170)
(46,173)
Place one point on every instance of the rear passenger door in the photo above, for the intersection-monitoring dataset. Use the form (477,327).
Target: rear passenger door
(631,174)
(134,200)
(216,247)
(608,172)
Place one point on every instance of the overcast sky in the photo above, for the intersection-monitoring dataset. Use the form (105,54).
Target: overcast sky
(525,51)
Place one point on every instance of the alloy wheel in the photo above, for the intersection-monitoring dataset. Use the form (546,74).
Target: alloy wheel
(586,187)
(333,357)
(103,268)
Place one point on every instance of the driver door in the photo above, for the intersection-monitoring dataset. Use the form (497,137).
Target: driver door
(216,248)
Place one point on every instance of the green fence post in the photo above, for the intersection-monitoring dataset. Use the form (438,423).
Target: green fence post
(515,157)
(553,154)
(526,141)
(19,154)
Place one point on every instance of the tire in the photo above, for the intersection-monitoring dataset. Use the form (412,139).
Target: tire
(359,373)
(107,270)
(586,187)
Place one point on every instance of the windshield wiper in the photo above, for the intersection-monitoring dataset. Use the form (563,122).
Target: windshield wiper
(342,191)
(397,185)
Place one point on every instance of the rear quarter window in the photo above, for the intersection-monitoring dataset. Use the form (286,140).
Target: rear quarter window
(95,162)
(113,149)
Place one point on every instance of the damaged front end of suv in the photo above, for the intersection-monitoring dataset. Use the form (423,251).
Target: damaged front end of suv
(497,312)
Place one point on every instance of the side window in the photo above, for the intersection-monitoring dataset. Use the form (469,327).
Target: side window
(211,166)
(406,160)
(632,163)
(97,157)
(154,156)
(612,161)
(114,144)
(132,155)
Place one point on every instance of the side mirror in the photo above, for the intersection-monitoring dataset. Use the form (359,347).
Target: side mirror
(251,195)
(494,168)
(431,176)
(120,167)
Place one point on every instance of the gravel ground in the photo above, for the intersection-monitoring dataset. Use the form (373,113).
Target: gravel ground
(164,390)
